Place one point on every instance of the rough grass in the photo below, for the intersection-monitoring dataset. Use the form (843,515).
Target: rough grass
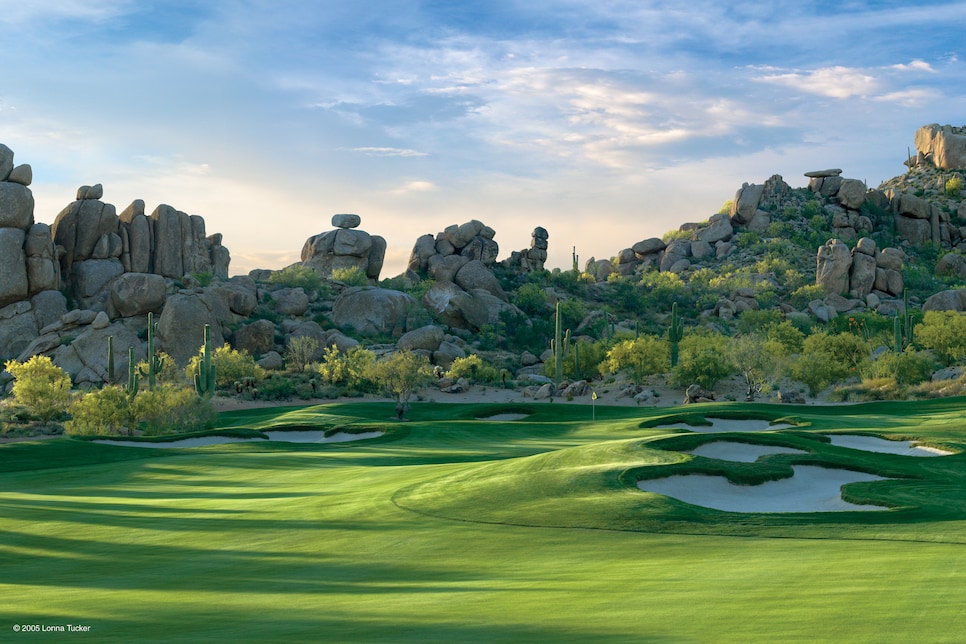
(451,528)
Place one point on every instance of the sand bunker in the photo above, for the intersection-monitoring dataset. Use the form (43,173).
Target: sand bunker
(741,452)
(313,436)
(875,444)
(504,417)
(811,489)
(730,425)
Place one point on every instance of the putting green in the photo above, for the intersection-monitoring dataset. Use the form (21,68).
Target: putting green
(453,528)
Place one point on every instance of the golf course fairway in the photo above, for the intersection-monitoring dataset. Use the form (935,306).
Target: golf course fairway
(452,527)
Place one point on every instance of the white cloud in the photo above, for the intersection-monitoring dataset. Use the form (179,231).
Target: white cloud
(915,66)
(833,82)
(389,152)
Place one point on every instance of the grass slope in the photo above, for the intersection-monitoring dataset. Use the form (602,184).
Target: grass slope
(453,528)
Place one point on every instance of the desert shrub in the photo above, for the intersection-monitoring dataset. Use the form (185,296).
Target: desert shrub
(350,369)
(277,387)
(531,299)
(953,187)
(758,321)
(943,332)
(168,373)
(787,336)
(673,235)
(826,359)
(701,360)
(301,351)
(101,411)
(871,389)
(351,276)
(231,365)
(203,278)
(297,276)
(40,387)
(805,294)
(906,368)
(168,409)
(400,375)
(642,357)
(474,369)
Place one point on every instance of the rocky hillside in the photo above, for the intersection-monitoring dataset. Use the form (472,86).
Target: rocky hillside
(806,254)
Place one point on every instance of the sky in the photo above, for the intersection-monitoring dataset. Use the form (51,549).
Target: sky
(604,121)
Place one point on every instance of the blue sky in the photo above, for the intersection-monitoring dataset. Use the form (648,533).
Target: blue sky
(606,122)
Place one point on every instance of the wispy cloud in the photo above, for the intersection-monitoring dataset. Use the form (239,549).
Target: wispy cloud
(389,152)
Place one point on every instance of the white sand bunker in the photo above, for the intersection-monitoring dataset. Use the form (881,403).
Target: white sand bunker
(740,452)
(875,444)
(504,417)
(730,425)
(811,489)
(312,436)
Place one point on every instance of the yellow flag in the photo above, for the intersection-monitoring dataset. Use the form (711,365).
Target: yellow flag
(593,396)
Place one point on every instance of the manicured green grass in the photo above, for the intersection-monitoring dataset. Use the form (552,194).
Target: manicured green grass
(450,528)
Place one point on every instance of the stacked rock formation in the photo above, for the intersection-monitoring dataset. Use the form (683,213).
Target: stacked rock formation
(29,276)
(860,272)
(450,249)
(530,259)
(99,246)
(751,205)
(344,248)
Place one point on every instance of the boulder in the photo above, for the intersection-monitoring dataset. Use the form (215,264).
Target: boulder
(346,221)
(137,294)
(14,284)
(339,340)
(890,258)
(181,327)
(474,275)
(949,300)
(16,206)
(373,311)
(85,359)
(719,229)
(698,394)
(256,338)
(18,328)
(6,162)
(862,274)
(745,203)
(48,307)
(833,264)
(271,361)
(290,301)
(80,225)
(946,145)
(427,338)
(852,193)
(446,353)
(821,311)
(443,268)
(647,247)
(90,280)
(916,231)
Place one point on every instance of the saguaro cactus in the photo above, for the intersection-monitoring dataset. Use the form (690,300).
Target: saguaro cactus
(557,347)
(674,334)
(133,379)
(155,362)
(110,359)
(205,378)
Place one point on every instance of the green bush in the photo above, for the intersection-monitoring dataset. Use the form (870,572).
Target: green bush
(531,299)
(474,369)
(642,357)
(297,276)
(352,276)
(40,386)
(350,369)
(943,332)
(101,411)
(231,365)
(701,360)
(169,409)
(954,187)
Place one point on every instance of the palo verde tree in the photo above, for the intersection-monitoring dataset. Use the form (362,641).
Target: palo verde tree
(40,386)
(400,375)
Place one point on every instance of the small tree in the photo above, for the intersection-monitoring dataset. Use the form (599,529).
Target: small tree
(944,332)
(101,411)
(231,365)
(703,360)
(40,386)
(400,376)
(643,356)
(756,360)
(351,368)
(302,350)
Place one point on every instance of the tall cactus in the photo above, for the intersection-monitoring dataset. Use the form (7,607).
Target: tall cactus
(133,379)
(907,316)
(897,334)
(575,263)
(674,334)
(557,348)
(155,362)
(577,372)
(110,359)
(205,378)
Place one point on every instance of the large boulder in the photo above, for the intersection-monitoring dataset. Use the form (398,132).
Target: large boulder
(745,203)
(18,327)
(48,307)
(852,193)
(474,275)
(833,263)
(16,206)
(136,294)
(719,229)
(256,338)
(950,300)
(85,358)
(372,311)
(862,274)
(426,338)
(90,279)
(290,301)
(43,270)
(181,327)
(945,145)
(14,284)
